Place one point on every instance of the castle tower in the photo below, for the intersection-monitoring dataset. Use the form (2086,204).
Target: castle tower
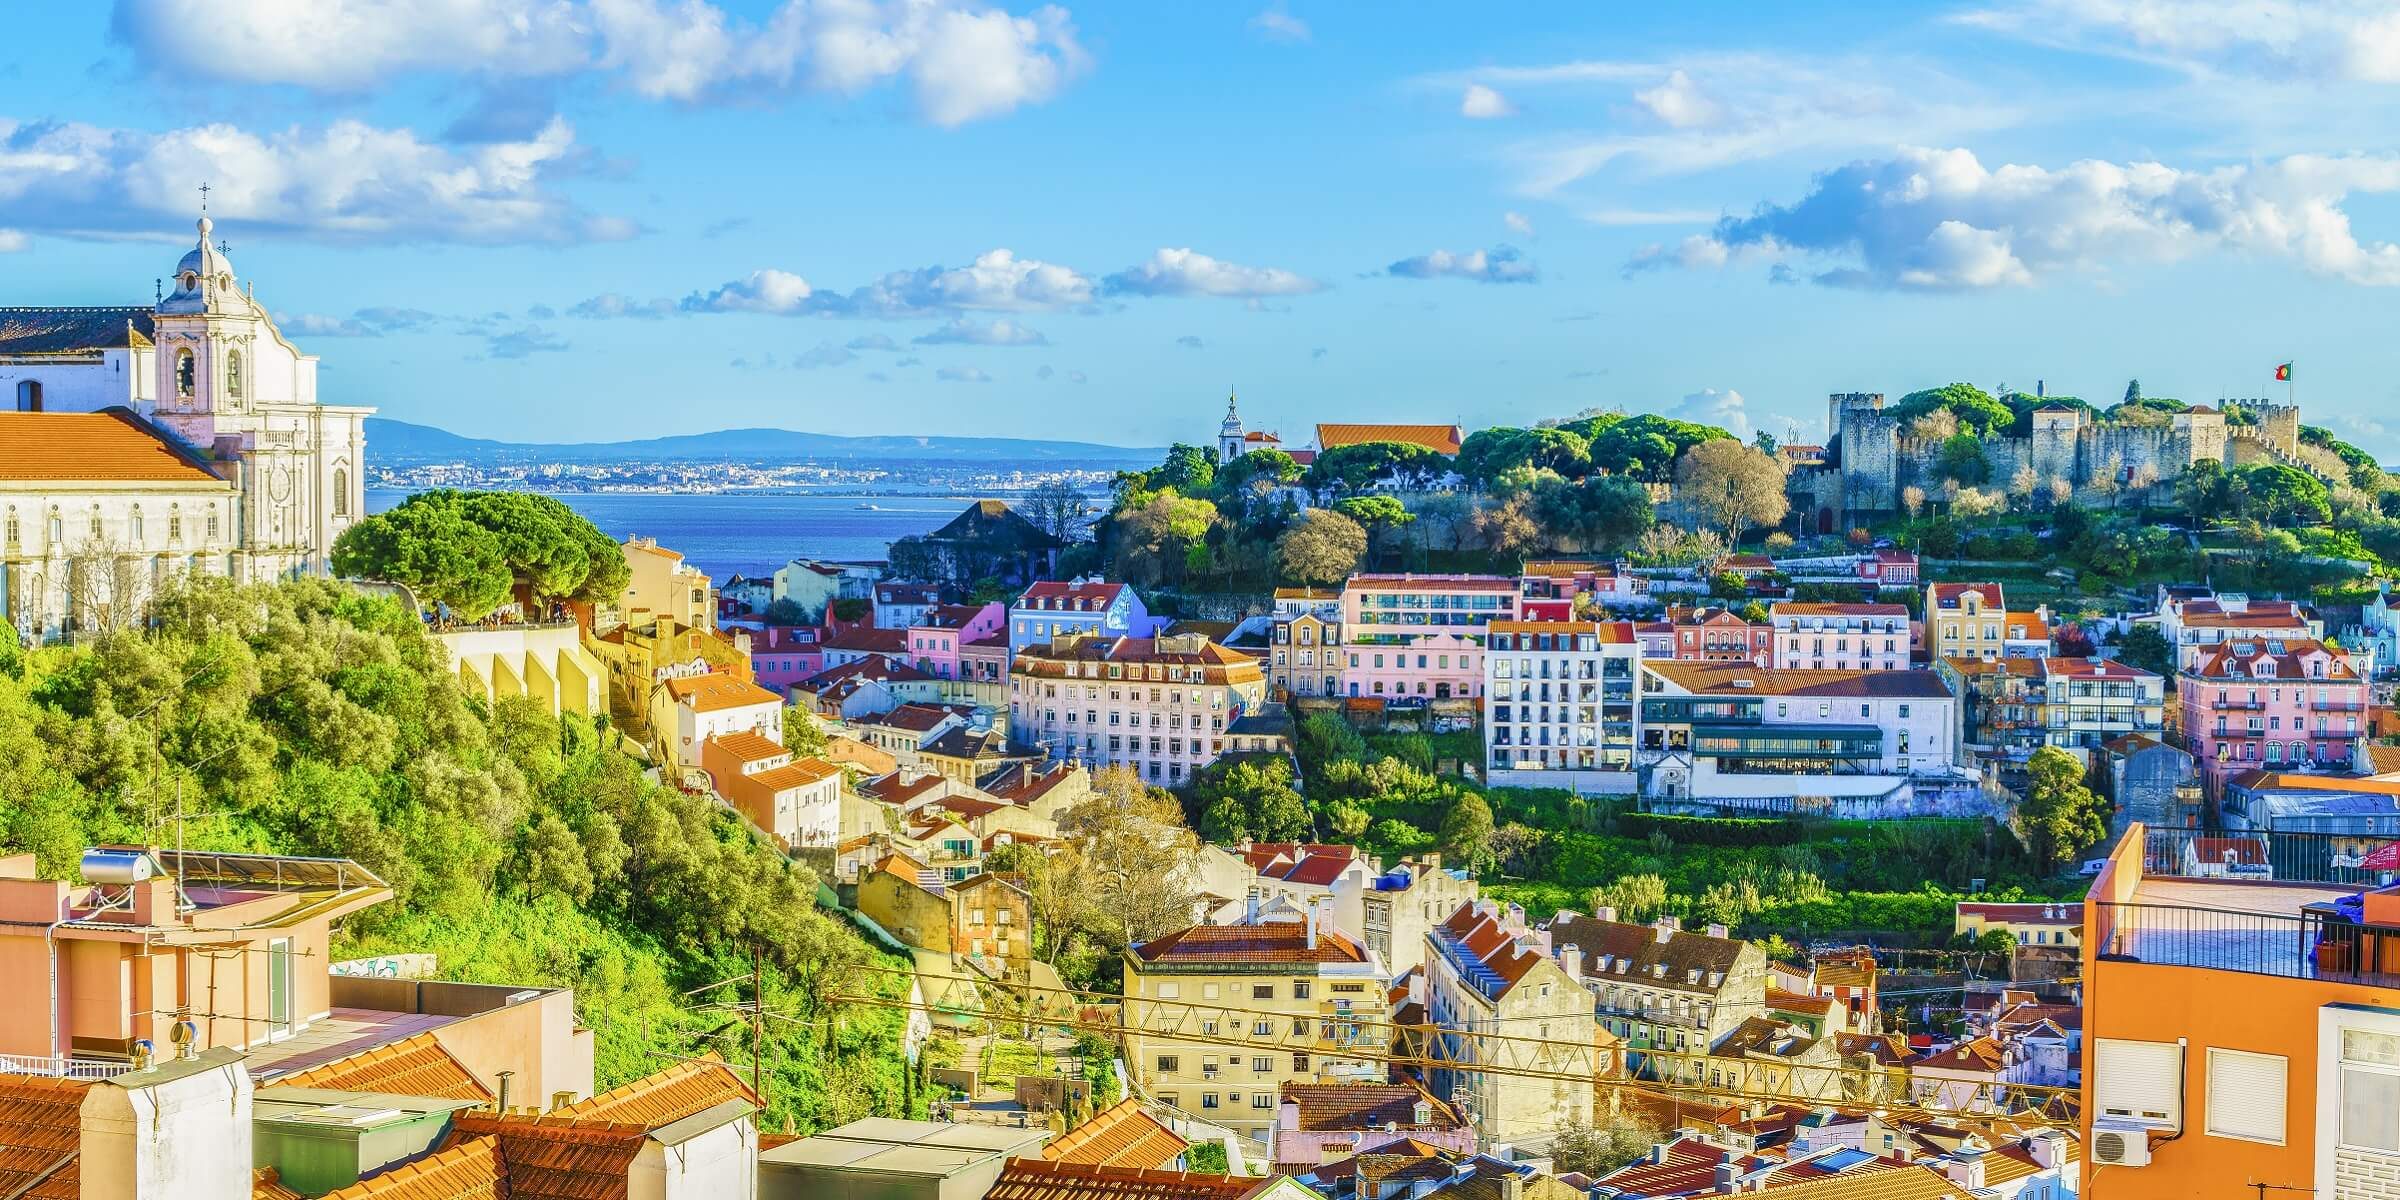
(2280,425)
(2056,434)
(1229,435)
(1864,440)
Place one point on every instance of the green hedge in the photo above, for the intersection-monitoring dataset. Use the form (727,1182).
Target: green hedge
(1714,831)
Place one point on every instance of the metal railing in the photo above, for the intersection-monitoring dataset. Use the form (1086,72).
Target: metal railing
(62,1067)
(2291,857)
(2298,946)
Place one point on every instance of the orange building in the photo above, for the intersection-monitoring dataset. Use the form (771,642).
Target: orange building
(2239,1034)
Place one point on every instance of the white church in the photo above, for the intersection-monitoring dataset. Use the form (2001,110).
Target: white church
(139,442)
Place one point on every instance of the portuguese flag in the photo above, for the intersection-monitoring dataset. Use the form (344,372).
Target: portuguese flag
(2283,372)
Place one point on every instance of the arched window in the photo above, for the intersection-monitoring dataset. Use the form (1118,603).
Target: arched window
(212,524)
(11,536)
(174,523)
(133,525)
(184,370)
(29,395)
(191,281)
(58,528)
(341,491)
(96,530)
(233,374)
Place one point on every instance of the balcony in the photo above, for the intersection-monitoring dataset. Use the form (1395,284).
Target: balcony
(2184,923)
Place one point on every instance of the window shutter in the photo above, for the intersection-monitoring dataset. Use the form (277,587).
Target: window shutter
(2142,1081)
(2246,1095)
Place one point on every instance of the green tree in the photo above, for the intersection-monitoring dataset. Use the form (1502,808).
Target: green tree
(1190,470)
(1156,540)
(2133,392)
(801,733)
(1488,454)
(1467,829)
(1732,486)
(2281,495)
(1633,897)
(444,558)
(1962,459)
(1977,412)
(2145,646)
(1348,470)
(1645,446)
(1322,547)
(2060,815)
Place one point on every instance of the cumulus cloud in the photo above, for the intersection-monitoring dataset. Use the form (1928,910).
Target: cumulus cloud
(1278,25)
(996,280)
(764,291)
(613,305)
(1482,103)
(1500,264)
(524,343)
(960,61)
(2297,39)
(1187,272)
(1726,410)
(963,331)
(1939,220)
(823,354)
(1678,102)
(348,180)
(962,375)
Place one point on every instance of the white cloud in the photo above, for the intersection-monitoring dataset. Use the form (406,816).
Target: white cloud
(1481,103)
(1518,223)
(1500,264)
(615,305)
(1186,272)
(765,291)
(962,375)
(961,61)
(320,325)
(996,280)
(12,241)
(1277,25)
(963,331)
(1679,102)
(524,343)
(1726,410)
(1707,111)
(2312,40)
(347,180)
(1939,220)
(823,354)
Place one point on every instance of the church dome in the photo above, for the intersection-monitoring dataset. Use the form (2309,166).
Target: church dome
(204,259)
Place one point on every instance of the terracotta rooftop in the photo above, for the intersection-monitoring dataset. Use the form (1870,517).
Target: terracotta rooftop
(41,1136)
(667,1097)
(1038,1179)
(415,1066)
(1913,1182)
(1274,941)
(109,446)
(1783,1001)
(467,1170)
(800,772)
(1974,1054)
(1475,932)
(1684,1166)
(549,1157)
(749,745)
(1123,1135)
(267,1184)
(1336,1107)
(1692,960)
(2092,668)
(865,639)
(1069,596)
(1951,595)
(715,693)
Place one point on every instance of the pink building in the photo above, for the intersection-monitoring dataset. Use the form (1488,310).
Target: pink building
(1549,588)
(934,641)
(1840,637)
(1717,635)
(1420,636)
(2272,704)
(1318,1123)
(783,655)
(1889,567)
(984,659)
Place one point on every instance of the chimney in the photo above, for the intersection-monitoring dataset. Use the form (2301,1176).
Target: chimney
(1728,1176)
(1311,917)
(154,900)
(1570,958)
(1605,912)
(1250,910)
(1658,1152)
(1432,860)
(561,1099)
(1964,1167)
(502,1100)
(2049,1148)
(1716,931)
(177,1131)
(1512,1186)
(1665,932)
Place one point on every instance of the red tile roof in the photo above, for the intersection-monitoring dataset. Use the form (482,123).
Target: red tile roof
(1476,930)
(1035,1179)
(1123,1135)
(1069,596)
(466,1170)
(1272,941)
(111,446)
(714,693)
(1977,1055)
(545,1157)
(1340,1107)
(1441,439)
(669,1096)
(1950,595)
(415,1066)
(41,1134)
(749,745)
(267,1184)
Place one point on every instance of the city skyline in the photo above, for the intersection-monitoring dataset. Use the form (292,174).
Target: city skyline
(1108,215)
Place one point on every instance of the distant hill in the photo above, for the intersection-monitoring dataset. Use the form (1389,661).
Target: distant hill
(401,443)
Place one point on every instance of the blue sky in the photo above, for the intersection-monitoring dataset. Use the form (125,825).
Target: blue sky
(589,219)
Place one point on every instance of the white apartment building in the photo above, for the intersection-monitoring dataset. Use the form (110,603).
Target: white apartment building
(1160,705)
(1720,730)
(1840,637)
(1559,708)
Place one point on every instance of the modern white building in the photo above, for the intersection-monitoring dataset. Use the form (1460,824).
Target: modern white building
(1161,705)
(220,458)
(1842,742)
(1559,708)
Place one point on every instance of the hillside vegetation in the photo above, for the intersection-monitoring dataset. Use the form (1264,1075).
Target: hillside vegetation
(305,718)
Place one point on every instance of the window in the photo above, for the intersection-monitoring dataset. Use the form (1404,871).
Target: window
(1261,1064)
(2246,1095)
(2370,1090)
(1208,1099)
(29,396)
(174,524)
(1299,989)
(1170,991)
(233,374)
(1262,1100)
(11,536)
(1262,991)
(212,524)
(183,373)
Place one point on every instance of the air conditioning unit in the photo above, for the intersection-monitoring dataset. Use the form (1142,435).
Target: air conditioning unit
(2117,1142)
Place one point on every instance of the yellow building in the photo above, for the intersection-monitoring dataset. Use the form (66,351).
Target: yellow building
(1308,1003)
(1965,620)
(638,657)
(665,586)
(1306,656)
